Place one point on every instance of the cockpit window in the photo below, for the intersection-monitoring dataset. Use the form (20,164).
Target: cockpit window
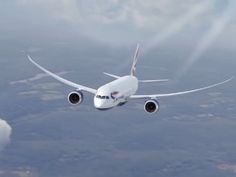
(98,96)
(102,97)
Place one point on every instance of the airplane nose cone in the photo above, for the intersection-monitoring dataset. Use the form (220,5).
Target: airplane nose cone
(98,103)
(101,104)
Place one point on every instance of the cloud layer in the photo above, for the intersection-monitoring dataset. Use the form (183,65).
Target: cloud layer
(108,19)
(35,78)
(5,133)
(211,35)
(143,14)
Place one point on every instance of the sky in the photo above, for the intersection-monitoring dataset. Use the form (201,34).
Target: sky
(196,25)
(190,42)
(118,21)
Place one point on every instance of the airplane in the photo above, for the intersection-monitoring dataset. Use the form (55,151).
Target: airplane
(120,90)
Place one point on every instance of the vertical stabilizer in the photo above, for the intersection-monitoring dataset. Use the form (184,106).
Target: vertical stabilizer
(133,69)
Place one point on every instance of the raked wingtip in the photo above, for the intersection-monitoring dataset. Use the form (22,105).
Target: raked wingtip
(231,78)
(28,56)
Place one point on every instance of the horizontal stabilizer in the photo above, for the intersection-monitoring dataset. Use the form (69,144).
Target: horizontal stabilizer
(151,81)
(112,75)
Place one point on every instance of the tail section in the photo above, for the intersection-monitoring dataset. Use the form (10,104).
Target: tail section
(133,69)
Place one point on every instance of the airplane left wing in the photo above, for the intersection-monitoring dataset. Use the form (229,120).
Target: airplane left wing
(178,93)
(64,81)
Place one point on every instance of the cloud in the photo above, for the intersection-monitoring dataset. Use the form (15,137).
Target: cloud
(52,97)
(5,133)
(45,95)
(29,93)
(108,20)
(142,14)
(35,78)
(179,23)
(218,26)
(45,91)
(227,167)
(46,86)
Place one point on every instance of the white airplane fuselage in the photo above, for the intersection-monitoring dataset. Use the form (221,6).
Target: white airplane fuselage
(116,92)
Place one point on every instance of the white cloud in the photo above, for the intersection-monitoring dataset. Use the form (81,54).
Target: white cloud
(46,86)
(227,167)
(52,97)
(143,14)
(35,78)
(218,26)
(5,133)
(44,90)
(111,20)
(39,88)
(188,17)
(45,95)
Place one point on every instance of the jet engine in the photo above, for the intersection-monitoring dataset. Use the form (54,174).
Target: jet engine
(151,106)
(75,97)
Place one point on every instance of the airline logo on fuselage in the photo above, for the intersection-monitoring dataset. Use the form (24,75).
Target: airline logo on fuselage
(114,95)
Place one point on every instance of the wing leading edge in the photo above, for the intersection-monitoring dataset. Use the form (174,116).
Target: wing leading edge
(64,81)
(152,81)
(178,93)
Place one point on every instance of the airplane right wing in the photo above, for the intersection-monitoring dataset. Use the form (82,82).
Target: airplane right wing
(140,81)
(152,81)
(177,93)
(64,81)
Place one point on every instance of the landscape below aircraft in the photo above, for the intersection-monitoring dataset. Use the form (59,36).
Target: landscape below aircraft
(119,91)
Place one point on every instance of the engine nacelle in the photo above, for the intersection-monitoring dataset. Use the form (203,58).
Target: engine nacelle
(151,106)
(76,97)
